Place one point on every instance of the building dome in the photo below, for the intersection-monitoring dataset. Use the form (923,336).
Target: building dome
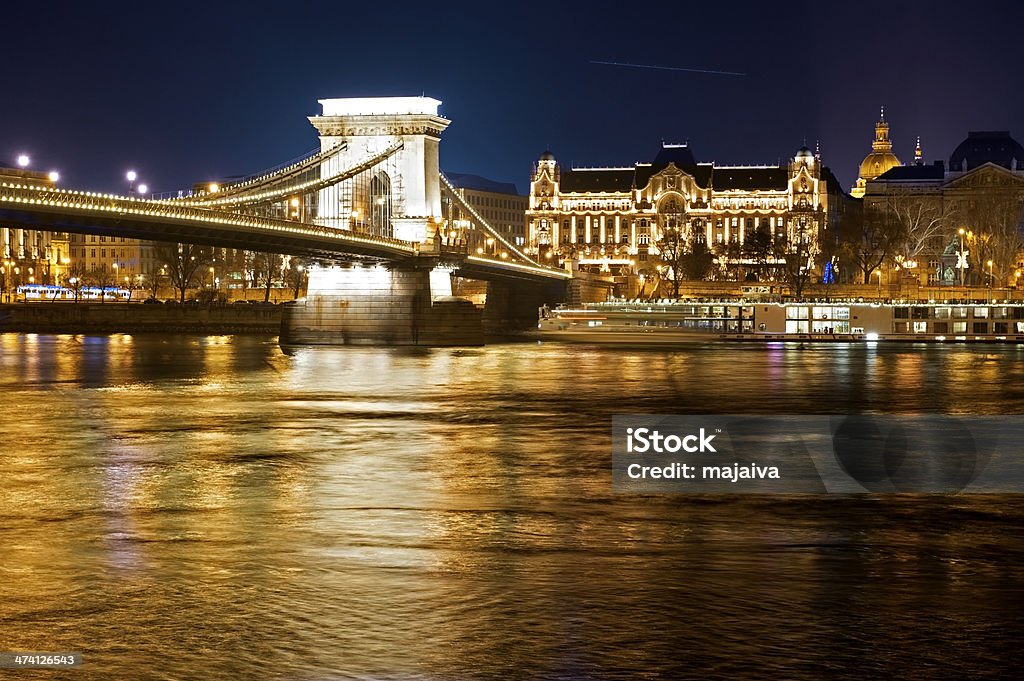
(876,163)
(804,154)
(880,160)
(987,147)
(547,156)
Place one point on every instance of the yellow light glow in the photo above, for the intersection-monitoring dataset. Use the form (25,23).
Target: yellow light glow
(214,187)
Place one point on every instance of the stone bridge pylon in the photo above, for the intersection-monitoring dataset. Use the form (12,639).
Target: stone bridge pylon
(403,197)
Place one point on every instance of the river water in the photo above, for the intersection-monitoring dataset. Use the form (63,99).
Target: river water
(213,508)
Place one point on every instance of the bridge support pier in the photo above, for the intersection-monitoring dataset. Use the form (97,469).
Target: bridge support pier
(513,306)
(381,306)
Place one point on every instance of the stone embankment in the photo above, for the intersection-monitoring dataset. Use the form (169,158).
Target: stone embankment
(70,317)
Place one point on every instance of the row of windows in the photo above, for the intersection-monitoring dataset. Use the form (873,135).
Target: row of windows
(926,312)
(81,253)
(720,223)
(491,202)
(959,327)
(81,238)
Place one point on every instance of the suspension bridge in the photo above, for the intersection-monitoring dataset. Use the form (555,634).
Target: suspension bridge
(389,232)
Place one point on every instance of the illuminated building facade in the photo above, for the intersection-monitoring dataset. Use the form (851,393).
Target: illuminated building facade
(30,256)
(611,219)
(499,203)
(118,260)
(974,206)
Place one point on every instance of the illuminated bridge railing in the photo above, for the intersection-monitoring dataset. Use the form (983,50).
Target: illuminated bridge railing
(73,201)
(517,254)
(275,175)
(272,195)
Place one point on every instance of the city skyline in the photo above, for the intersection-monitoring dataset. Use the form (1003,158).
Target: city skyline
(236,103)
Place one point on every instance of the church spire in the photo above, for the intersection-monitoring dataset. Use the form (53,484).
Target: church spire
(882,142)
(918,157)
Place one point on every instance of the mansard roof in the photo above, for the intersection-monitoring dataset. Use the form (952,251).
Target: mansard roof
(597,180)
(706,175)
(935,171)
(483,184)
(701,172)
(680,154)
(772,178)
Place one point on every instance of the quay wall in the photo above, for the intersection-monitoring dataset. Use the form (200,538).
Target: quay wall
(109,317)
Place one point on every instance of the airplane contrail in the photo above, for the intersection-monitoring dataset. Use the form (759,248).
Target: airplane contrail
(666,68)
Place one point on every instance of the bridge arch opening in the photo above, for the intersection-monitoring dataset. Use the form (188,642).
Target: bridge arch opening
(380,204)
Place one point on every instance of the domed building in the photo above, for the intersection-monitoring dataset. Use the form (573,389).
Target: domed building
(880,160)
(996,147)
(975,203)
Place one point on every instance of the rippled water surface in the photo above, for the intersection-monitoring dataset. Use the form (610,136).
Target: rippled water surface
(210,507)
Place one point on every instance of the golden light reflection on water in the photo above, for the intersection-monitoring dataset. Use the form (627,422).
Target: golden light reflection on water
(447,513)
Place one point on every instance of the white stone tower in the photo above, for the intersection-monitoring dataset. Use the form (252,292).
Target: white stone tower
(368,126)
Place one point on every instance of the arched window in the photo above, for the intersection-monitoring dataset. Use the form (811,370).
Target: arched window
(380,204)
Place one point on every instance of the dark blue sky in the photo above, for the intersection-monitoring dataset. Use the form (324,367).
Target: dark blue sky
(185,92)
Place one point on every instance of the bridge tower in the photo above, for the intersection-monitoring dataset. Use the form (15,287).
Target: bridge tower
(368,126)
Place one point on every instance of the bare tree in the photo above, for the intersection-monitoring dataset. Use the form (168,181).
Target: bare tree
(295,276)
(797,257)
(102,278)
(183,262)
(758,247)
(868,236)
(994,220)
(75,278)
(267,269)
(924,220)
(673,249)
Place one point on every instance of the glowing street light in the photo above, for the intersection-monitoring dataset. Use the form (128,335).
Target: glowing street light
(131,175)
(961,260)
(143,188)
(54,176)
(213,188)
(23,160)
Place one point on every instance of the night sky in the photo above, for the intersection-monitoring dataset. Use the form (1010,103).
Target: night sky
(186,92)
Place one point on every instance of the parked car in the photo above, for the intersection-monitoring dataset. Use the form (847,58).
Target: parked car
(152,301)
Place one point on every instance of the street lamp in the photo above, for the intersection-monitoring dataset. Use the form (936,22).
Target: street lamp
(879,273)
(143,189)
(23,160)
(962,255)
(131,175)
(54,176)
